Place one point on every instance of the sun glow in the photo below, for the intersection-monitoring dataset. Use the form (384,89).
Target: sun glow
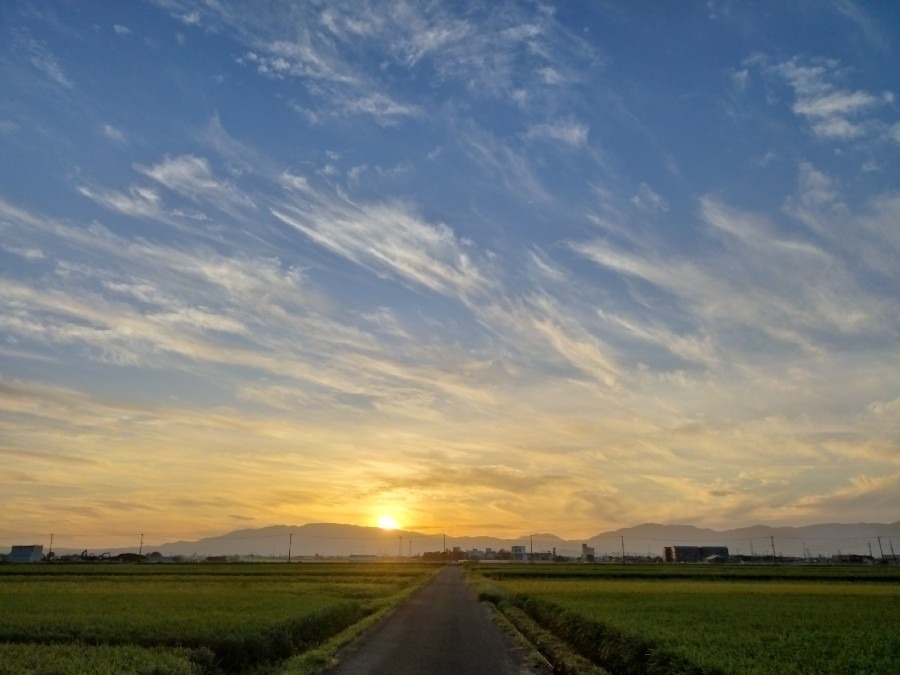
(388,523)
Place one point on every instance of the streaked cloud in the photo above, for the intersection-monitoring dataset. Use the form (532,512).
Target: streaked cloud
(832,112)
(568,132)
(114,134)
(44,60)
(388,238)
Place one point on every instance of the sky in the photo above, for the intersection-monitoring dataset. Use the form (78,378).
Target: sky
(480,267)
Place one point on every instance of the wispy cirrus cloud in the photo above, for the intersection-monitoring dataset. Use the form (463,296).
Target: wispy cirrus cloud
(319,46)
(114,134)
(192,177)
(648,200)
(757,281)
(385,237)
(44,60)
(567,132)
(158,306)
(833,112)
(818,204)
(139,202)
(505,164)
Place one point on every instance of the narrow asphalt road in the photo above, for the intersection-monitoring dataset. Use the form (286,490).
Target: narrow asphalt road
(441,630)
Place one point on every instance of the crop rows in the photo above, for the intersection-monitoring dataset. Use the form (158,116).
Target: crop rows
(721,620)
(184,618)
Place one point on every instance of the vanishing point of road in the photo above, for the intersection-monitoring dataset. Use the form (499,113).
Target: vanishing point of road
(440,630)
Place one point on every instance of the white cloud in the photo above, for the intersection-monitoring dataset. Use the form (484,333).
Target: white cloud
(833,113)
(739,79)
(379,106)
(31,254)
(857,13)
(504,164)
(834,104)
(302,57)
(121,30)
(43,59)
(767,158)
(752,286)
(139,202)
(192,177)
(545,267)
(114,134)
(895,132)
(190,18)
(568,132)
(570,339)
(387,238)
(481,55)
(869,238)
(550,76)
(648,200)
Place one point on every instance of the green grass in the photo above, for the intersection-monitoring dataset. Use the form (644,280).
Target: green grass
(713,619)
(229,617)
(77,659)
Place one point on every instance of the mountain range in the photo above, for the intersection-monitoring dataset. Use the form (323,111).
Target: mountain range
(333,539)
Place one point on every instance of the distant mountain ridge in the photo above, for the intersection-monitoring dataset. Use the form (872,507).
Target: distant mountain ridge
(334,539)
(819,539)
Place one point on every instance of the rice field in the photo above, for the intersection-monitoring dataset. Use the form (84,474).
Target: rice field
(669,619)
(185,618)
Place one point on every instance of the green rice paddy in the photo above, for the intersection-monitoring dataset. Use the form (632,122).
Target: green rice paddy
(703,619)
(184,618)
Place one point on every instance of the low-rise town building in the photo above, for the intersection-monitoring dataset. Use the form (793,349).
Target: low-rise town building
(26,554)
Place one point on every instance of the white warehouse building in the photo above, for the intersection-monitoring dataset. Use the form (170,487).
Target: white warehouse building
(26,554)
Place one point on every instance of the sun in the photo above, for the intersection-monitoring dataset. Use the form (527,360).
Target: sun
(388,523)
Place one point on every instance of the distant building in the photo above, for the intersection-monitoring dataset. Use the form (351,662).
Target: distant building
(694,553)
(519,553)
(587,551)
(26,554)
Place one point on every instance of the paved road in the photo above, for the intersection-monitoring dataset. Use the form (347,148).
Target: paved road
(441,630)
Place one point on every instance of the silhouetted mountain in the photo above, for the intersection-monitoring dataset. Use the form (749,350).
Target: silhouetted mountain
(333,539)
(825,539)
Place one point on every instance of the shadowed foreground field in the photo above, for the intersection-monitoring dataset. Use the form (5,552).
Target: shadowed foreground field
(186,618)
(279,618)
(704,619)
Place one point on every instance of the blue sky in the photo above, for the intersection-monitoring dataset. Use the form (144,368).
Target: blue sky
(493,267)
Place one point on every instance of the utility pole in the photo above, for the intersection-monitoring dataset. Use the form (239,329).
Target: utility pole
(50,552)
(623,548)
(400,548)
(879,547)
(410,548)
(531,555)
(141,549)
(774,559)
(870,551)
(752,555)
(290,545)
(445,549)
(893,555)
